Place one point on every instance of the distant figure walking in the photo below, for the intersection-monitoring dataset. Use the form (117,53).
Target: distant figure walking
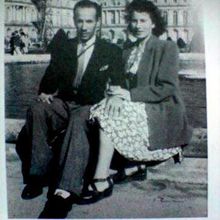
(181,44)
(11,43)
(15,42)
(24,44)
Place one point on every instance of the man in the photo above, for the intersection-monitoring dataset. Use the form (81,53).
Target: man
(75,79)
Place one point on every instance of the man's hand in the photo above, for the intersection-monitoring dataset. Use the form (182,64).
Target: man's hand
(43,97)
(113,106)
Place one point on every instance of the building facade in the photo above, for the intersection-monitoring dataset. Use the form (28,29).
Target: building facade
(21,14)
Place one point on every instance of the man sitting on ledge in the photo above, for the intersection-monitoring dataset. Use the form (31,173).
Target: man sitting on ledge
(75,79)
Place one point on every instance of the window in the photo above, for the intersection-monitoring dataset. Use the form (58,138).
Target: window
(104,17)
(175,18)
(165,17)
(33,15)
(112,17)
(7,14)
(185,17)
(58,18)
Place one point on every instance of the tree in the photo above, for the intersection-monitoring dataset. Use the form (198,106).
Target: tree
(44,22)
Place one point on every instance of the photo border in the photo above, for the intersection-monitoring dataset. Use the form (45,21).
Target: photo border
(212,54)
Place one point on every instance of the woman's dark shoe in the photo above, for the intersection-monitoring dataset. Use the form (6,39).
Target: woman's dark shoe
(92,196)
(31,191)
(139,175)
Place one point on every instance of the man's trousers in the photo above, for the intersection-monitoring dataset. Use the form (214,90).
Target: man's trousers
(39,158)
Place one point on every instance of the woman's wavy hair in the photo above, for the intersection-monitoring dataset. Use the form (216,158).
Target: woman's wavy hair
(151,9)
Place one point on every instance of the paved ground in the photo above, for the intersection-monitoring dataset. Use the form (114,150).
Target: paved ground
(169,191)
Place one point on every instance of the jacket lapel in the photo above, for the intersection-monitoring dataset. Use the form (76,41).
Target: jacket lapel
(147,62)
(70,59)
(94,61)
(94,58)
(73,54)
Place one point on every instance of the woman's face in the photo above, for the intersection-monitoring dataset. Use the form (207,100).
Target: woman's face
(141,24)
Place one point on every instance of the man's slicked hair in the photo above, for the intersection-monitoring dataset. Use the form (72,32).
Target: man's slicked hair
(89,4)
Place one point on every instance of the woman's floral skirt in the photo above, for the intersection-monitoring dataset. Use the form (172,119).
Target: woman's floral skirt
(129,132)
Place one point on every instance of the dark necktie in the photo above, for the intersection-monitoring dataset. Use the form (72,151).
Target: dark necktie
(80,67)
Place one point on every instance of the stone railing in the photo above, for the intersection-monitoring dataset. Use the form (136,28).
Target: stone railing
(27,58)
(192,56)
(186,59)
(43,58)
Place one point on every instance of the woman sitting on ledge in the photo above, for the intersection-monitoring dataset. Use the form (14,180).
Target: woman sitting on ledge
(150,123)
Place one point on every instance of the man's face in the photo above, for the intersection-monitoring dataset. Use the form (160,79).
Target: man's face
(86,23)
(141,24)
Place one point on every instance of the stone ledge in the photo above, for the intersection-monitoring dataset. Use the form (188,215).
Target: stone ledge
(12,128)
(27,58)
(37,58)
(192,56)
(197,147)
(193,73)
(190,171)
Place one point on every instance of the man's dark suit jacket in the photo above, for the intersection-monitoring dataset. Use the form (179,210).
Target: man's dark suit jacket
(104,65)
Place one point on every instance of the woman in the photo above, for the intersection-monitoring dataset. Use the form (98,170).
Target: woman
(24,43)
(149,123)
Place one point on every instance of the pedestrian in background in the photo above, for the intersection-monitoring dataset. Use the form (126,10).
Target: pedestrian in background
(15,43)
(24,44)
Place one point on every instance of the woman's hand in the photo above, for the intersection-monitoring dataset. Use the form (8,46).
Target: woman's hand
(113,106)
(119,92)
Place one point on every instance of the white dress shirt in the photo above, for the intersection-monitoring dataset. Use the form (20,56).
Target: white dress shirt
(135,56)
(90,44)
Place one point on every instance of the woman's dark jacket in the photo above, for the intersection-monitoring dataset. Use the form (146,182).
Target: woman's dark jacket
(158,86)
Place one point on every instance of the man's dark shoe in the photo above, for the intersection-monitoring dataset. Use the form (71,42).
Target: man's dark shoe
(57,207)
(139,175)
(31,191)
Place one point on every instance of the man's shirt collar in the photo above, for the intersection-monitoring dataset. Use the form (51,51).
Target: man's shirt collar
(89,42)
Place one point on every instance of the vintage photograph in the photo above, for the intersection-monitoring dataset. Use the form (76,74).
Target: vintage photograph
(105,109)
